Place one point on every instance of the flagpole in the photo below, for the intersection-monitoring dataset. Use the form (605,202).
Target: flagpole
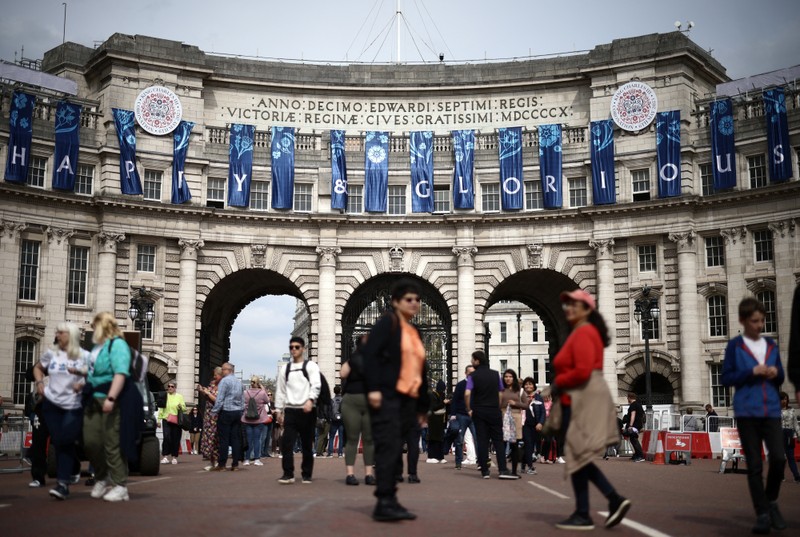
(398,15)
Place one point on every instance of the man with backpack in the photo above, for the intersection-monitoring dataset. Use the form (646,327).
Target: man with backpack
(296,397)
(337,425)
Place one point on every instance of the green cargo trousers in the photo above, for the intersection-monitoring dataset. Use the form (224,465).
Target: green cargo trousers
(101,442)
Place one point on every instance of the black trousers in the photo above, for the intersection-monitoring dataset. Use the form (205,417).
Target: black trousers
(752,431)
(38,450)
(297,423)
(489,426)
(172,438)
(411,440)
(531,438)
(391,424)
(229,427)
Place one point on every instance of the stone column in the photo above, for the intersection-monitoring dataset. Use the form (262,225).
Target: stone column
(54,287)
(9,275)
(735,262)
(604,254)
(326,311)
(187,317)
(692,368)
(107,270)
(466,304)
(785,255)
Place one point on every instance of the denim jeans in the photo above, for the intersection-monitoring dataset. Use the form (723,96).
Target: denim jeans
(66,427)
(337,426)
(229,426)
(464,423)
(254,434)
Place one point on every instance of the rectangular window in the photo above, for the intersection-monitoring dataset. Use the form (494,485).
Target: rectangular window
(152,185)
(757,169)
(146,258)
(147,330)
(441,200)
(577,192)
(720,395)
(535,332)
(535,371)
(762,239)
(355,199)
(78,275)
(707,179)
(654,327)
(717,316)
(397,199)
(640,180)
(771,318)
(302,197)
(546,332)
(548,371)
(37,168)
(715,252)
(503,366)
(533,195)
(23,359)
(84,180)
(490,197)
(259,195)
(28,270)
(647,258)
(503,333)
(215,189)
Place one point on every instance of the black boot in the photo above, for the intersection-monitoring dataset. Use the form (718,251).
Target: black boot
(388,510)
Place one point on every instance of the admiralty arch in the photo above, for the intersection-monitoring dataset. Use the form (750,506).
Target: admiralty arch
(68,253)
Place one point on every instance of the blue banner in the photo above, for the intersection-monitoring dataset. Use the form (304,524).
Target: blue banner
(464,156)
(68,124)
(780,163)
(668,153)
(550,165)
(338,171)
(509,145)
(604,182)
(421,149)
(180,190)
(20,134)
(129,181)
(723,152)
(376,171)
(240,165)
(282,167)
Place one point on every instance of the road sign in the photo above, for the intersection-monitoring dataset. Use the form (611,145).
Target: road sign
(729,438)
(678,442)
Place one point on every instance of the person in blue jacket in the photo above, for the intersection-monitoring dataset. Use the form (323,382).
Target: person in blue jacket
(753,366)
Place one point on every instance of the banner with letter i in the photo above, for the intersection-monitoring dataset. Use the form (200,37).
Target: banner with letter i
(550,165)
(240,164)
(604,182)
(68,124)
(180,189)
(723,151)
(126,134)
(464,156)
(780,164)
(338,171)
(282,167)
(509,145)
(668,152)
(20,135)
(421,149)
(376,171)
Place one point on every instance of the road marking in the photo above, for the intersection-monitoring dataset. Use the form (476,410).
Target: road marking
(148,481)
(554,493)
(5,505)
(641,528)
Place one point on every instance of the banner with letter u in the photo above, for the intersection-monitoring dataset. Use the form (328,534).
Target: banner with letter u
(421,149)
(668,153)
(126,134)
(464,156)
(68,124)
(376,171)
(282,167)
(240,164)
(180,189)
(509,144)
(604,182)
(780,167)
(338,171)
(20,135)
(550,165)
(723,151)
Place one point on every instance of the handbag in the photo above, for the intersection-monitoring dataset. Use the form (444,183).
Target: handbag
(184,420)
(172,418)
(552,425)
(509,427)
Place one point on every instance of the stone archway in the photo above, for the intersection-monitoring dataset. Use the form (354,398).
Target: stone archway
(665,377)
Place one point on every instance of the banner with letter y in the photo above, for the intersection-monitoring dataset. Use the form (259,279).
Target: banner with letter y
(240,164)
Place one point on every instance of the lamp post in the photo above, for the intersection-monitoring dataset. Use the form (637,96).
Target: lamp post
(646,311)
(519,346)
(141,311)
(487,338)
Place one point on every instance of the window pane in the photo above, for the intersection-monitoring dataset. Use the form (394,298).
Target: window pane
(78,271)
(490,197)
(28,270)
(441,200)
(715,252)
(771,318)
(535,332)
(215,189)
(640,180)
(152,185)
(36,171)
(757,168)
(707,179)
(533,195)
(84,180)
(397,199)
(146,258)
(577,192)
(259,195)
(302,197)
(503,333)
(717,316)
(720,395)
(763,244)
(147,330)
(355,199)
(647,258)
(23,359)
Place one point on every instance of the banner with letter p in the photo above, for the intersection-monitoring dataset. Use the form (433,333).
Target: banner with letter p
(464,156)
(180,190)
(509,145)
(126,134)
(282,167)
(604,182)
(240,164)
(723,151)
(550,165)
(20,136)
(668,152)
(421,154)
(780,167)
(338,171)
(376,171)
(68,124)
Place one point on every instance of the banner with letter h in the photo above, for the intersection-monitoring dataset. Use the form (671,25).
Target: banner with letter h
(20,136)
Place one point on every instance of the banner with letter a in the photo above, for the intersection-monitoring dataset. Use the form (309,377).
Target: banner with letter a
(240,164)
(338,171)
(464,156)
(20,135)
(180,189)
(550,165)
(780,161)
(668,152)
(723,152)
(376,171)
(421,149)
(282,167)
(604,182)
(126,134)
(509,144)
(68,124)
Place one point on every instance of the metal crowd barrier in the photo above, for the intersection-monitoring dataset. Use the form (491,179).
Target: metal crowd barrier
(12,444)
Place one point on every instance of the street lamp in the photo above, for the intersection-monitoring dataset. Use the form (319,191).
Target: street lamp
(141,311)
(646,311)
(519,346)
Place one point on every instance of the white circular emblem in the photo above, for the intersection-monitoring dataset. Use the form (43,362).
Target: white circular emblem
(158,110)
(634,106)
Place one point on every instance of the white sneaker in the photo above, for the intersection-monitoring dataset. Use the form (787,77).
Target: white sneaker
(560,460)
(175,460)
(99,490)
(432,461)
(246,463)
(165,460)
(35,484)
(443,461)
(208,468)
(258,462)
(117,494)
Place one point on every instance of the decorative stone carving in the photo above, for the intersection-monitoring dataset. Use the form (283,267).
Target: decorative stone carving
(731,235)
(190,247)
(108,241)
(781,228)
(396,259)
(258,253)
(534,255)
(602,247)
(684,239)
(12,229)
(466,254)
(327,255)
(59,234)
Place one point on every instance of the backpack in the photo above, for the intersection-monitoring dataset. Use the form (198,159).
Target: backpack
(336,407)
(138,371)
(324,399)
(252,409)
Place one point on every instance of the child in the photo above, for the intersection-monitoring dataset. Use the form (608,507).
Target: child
(753,366)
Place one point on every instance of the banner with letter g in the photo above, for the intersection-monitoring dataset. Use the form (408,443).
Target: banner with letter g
(421,154)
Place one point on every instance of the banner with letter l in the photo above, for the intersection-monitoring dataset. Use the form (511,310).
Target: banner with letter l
(180,189)
(550,165)
(129,181)
(780,164)
(338,171)
(421,154)
(282,167)
(20,135)
(240,164)
(67,127)
(376,171)
(668,153)
(509,145)
(604,182)
(723,151)
(464,156)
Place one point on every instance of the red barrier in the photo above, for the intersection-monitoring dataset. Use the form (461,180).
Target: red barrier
(701,446)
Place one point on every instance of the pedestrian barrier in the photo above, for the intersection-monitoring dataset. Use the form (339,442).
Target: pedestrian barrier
(12,443)
(678,448)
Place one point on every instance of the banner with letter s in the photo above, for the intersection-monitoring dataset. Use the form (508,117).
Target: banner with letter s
(723,151)
(668,153)
(376,171)
(550,165)
(180,190)
(421,149)
(509,145)
(604,182)
(67,126)
(240,164)
(464,156)
(20,135)
(126,134)
(282,167)
(780,167)
(338,171)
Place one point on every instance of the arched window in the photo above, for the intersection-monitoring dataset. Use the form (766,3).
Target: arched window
(24,357)
(767,298)
(717,316)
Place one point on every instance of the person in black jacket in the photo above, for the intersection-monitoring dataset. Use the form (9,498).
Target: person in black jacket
(395,375)
(793,361)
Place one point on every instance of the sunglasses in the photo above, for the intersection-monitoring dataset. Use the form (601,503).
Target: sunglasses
(412,299)
(295,347)
(170,385)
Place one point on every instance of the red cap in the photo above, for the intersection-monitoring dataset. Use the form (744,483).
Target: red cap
(579,295)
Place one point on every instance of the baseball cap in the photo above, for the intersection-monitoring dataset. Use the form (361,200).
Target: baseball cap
(579,295)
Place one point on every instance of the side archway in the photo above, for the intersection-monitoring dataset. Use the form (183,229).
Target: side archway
(665,377)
